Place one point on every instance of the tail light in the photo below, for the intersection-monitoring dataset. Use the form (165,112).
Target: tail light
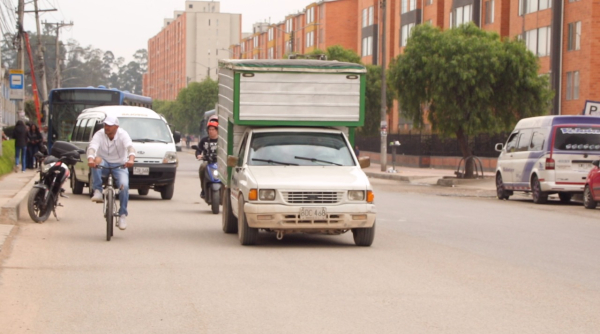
(550,163)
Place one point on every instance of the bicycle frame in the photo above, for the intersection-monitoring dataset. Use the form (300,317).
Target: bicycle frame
(109,193)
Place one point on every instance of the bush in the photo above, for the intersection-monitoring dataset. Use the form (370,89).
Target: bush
(7,160)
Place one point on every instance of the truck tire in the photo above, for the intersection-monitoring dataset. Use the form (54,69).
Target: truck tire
(228,220)
(167,191)
(77,186)
(246,234)
(364,236)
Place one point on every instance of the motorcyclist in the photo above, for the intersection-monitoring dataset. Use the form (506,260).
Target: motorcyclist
(207,150)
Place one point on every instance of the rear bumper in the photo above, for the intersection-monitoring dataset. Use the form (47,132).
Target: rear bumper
(283,217)
(160,175)
(563,187)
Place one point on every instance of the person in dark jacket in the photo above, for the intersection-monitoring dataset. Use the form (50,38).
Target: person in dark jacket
(34,140)
(20,135)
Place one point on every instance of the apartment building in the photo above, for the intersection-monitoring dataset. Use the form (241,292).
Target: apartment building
(562,33)
(188,48)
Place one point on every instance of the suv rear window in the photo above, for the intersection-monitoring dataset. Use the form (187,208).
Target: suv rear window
(577,138)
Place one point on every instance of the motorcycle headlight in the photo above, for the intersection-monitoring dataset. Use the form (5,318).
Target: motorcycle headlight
(215,174)
(356,195)
(170,158)
(266,194)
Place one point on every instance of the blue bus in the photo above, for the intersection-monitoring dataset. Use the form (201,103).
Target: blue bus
(65,105)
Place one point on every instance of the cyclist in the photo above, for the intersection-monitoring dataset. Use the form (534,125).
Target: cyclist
(112,147)
(207,150)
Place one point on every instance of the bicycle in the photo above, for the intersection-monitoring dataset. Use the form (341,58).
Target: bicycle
(110,209)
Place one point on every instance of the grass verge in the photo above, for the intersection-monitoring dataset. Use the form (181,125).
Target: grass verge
(7,160)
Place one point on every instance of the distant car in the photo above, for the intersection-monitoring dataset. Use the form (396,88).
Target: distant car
(591,192)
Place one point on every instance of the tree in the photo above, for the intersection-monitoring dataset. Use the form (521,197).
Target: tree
(466,81)
(373,101)
(339,53)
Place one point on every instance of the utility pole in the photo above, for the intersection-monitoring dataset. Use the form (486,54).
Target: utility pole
(20,51)
(383,150)
(58,60)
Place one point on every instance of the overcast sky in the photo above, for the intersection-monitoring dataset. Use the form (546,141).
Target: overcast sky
(124,26)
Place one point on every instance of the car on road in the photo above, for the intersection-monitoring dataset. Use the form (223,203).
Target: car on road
(591,191)
(548,155)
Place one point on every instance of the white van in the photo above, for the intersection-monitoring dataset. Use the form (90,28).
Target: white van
(548,155)
(156,157)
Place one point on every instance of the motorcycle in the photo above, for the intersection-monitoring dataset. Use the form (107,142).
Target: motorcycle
(54,169)
(212,186)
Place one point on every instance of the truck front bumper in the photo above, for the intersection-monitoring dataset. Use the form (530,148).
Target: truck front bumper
(285,217)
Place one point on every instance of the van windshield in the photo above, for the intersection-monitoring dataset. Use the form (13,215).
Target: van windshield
(146,129)
(577,138)
(299,149)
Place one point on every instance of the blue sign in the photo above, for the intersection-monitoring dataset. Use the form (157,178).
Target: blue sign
(16,81)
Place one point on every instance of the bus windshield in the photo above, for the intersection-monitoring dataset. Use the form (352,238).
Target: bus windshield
(63,118)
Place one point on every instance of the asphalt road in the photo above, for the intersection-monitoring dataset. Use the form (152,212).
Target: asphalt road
(443,261)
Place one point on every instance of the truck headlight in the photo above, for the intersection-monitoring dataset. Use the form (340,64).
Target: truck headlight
(356,195)
(170,158)
(266,194)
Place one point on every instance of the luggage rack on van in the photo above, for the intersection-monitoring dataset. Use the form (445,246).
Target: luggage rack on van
(478,167)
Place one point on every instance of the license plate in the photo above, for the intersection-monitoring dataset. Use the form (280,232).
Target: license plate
(141,170)
(584,166)
(317,213)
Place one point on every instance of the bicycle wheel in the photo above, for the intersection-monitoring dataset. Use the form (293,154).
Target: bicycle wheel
(109,200)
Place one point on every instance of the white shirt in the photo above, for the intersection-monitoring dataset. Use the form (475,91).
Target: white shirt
(112,151)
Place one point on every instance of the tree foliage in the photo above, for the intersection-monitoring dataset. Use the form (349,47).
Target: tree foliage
(185,113)
(466,81)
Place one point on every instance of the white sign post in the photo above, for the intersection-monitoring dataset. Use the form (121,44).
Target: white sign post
(592,108)
(17,83)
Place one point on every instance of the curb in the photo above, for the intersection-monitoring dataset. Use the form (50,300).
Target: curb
(391,176)
(9,212)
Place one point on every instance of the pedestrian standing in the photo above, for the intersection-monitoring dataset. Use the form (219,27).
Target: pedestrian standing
(33,145)
(356,151)
(20,135)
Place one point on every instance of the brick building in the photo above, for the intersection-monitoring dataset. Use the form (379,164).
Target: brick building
(189,47)
(566,57)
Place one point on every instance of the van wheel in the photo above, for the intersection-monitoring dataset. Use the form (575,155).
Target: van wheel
(588,199)
(143,191)
(565,197)
(539,196)
(228,220)
(167,191)
(501,192)
(246,234)
(77,186)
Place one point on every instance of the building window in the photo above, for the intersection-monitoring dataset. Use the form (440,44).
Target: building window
(364,17)
(191,6)
(413,5)
(270,34)
(371,16)
(538,41)
(406,30)
(531,6)
(574,42)
(489,12)
(573,85)
(255,41)
(270,56)
(310,39)
(428,2)
(462,15)
(367,46)
(404,7)
(310,15)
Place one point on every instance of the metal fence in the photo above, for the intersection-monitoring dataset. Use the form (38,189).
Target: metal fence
(433,145)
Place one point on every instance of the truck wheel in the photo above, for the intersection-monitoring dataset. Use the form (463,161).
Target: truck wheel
(246,234)
(77,186)
(588,199)
(539,196)
(143,191)
(228,220)
(364,236)
(167,191)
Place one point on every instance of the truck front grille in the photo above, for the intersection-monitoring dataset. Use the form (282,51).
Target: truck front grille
(313,197)
(295,219)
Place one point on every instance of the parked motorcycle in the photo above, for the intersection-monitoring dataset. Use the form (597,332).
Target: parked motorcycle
(54,169)
(212,186)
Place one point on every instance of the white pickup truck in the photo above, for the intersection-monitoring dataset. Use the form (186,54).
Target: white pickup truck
(285,153)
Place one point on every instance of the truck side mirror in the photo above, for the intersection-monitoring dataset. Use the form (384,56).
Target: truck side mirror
(232,161)
(499,147)
(364,162)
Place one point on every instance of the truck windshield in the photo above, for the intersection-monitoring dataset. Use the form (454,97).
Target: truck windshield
(577,138)
(301,149)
